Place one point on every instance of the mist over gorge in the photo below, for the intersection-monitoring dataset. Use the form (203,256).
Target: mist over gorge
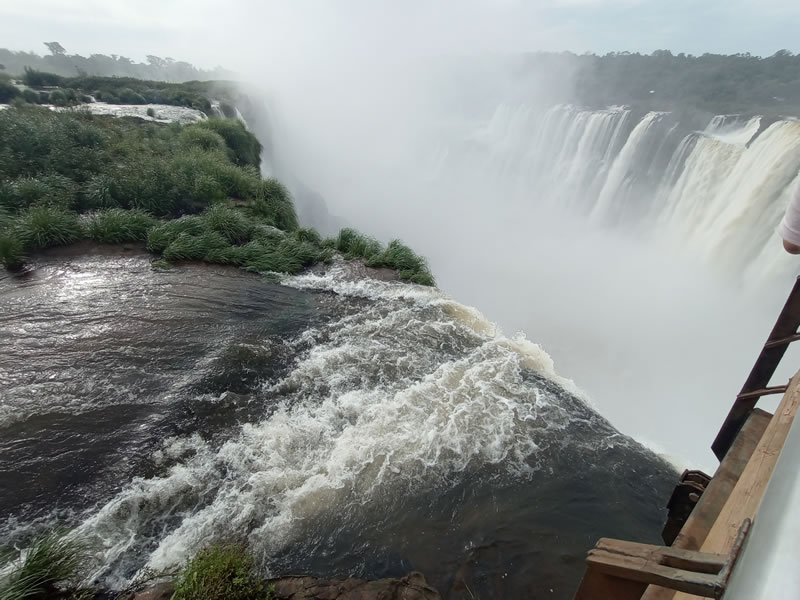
(624,233)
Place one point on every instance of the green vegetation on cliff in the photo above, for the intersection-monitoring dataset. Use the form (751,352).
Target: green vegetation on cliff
(44,87)
(220,572)
(189,192)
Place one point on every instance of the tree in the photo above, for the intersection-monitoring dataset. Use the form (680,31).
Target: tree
(55,48)
(156,61)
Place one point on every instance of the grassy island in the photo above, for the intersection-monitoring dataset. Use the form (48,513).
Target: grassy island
(188,192)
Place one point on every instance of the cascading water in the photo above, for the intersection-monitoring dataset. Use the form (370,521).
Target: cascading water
(719,193)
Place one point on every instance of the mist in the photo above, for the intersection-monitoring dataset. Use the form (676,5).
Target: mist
(363,104)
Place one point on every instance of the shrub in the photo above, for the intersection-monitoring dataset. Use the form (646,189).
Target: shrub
(98,193)
(308,234)
(50,564)
(12,251)
(205,189)
(405,261)
(45,226)
(220,572)
(30,96)
(274,205)
(194,136)
(49,189)
(354,244)
(24,192)
(229,223)
(129,96)
(161,236)
(58,98)
(117,226)
(34,78)
(8,91)
(245,148)
(220,178)
(194,247)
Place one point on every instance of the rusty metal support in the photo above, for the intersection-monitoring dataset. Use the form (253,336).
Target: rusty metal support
(783,333)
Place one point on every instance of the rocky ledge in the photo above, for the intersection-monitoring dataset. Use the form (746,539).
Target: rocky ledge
(304,587)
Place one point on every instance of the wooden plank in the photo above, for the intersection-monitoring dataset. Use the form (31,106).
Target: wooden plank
(763,370)
(743,501)
(648,569)
(699,523)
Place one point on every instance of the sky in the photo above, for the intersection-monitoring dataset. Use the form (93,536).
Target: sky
(210,33)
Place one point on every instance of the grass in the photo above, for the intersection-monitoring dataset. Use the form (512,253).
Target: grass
(12,251)
(191,192)
(405,261)
(50,565)
(221,572)
(224,235)
(44,226)
(354,244)
(274,204)
(118,226)
(229,223)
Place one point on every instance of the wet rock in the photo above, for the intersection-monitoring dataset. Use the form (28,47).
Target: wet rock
(234,400)
(356,269)
(159,591)
(411,587)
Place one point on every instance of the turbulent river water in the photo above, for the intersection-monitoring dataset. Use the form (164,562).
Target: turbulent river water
(342,426)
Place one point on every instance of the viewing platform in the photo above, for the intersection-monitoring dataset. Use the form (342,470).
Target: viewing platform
(735,535)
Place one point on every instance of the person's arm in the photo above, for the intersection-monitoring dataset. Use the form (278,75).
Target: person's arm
(789,229)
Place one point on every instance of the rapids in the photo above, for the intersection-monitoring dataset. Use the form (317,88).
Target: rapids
(341,426)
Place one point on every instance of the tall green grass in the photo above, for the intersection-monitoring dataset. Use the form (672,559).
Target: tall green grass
(45,226)
(354,244)
(12,251)
(224,235)
(408,264)
(221,572)
(50,565)
(273,203)
(245,149)
(191,192)
(118,226)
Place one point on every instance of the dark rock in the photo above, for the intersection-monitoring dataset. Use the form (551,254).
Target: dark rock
(411,587)
(159,591)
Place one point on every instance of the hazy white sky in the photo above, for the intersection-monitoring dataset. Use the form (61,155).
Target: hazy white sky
(209,33)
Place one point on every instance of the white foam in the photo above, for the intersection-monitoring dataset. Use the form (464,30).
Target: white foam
(376,404)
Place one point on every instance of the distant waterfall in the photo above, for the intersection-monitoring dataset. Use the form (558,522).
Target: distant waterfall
(719,192)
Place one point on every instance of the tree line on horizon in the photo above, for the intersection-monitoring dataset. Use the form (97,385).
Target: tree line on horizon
(717,83)
(114,65)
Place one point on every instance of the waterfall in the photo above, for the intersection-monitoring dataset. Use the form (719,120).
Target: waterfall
(717,193)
